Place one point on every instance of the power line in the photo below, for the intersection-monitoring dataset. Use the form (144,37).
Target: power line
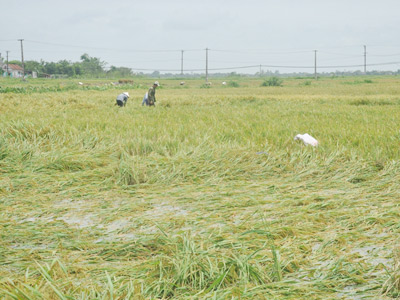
(245,51)
(340,54)
(247,65)
(265,66)
(384,55)
(260,51)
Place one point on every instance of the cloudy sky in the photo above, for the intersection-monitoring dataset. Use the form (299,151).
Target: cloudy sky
(241,34)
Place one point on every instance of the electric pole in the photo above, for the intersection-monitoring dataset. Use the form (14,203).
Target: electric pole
(315,64)
(182,62)
(206,64)
(7,62)
(22,59)
(365,60)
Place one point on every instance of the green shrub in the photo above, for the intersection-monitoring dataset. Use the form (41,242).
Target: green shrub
(233,84)
(273,81)
(205,86)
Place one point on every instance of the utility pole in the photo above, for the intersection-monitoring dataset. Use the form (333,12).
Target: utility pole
(22,59)
(315,64)
(260,71)
(7,63)
(206,64)
(365,60)
(182,62)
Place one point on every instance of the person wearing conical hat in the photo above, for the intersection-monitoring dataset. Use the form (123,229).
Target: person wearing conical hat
(122,99)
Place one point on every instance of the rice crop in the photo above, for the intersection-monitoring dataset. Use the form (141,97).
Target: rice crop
(205,196)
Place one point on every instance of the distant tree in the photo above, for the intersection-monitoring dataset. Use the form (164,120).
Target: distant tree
(155,74)
(78,69)
(50,68)
(85,57)
(92,66)
(67,68)
(15,62)
(34,66)
(119,71)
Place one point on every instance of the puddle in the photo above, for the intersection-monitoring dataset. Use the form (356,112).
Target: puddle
(112,236)
(117,237)
(332,192)
(352,292)
(118,224)
(316,247)
(28,247)
(80,222)
(217,225)
(162,209)
(76,205)
(37,219)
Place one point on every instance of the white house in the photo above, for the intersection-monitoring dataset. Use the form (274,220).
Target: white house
(13,70)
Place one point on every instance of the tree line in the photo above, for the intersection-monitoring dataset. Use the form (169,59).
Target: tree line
(87,67)
(93,67)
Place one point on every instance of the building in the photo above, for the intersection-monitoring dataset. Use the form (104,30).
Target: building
(14,71)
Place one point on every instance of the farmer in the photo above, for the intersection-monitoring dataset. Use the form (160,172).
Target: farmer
(122,99)
(151,95)
(145,99)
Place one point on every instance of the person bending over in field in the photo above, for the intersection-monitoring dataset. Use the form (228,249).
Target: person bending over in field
(122,99)
(151,95)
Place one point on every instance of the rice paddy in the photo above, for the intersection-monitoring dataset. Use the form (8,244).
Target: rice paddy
(206,195)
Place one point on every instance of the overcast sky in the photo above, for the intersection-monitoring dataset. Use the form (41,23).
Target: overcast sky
(280,35)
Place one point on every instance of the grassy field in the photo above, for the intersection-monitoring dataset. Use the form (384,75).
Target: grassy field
(206,195)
